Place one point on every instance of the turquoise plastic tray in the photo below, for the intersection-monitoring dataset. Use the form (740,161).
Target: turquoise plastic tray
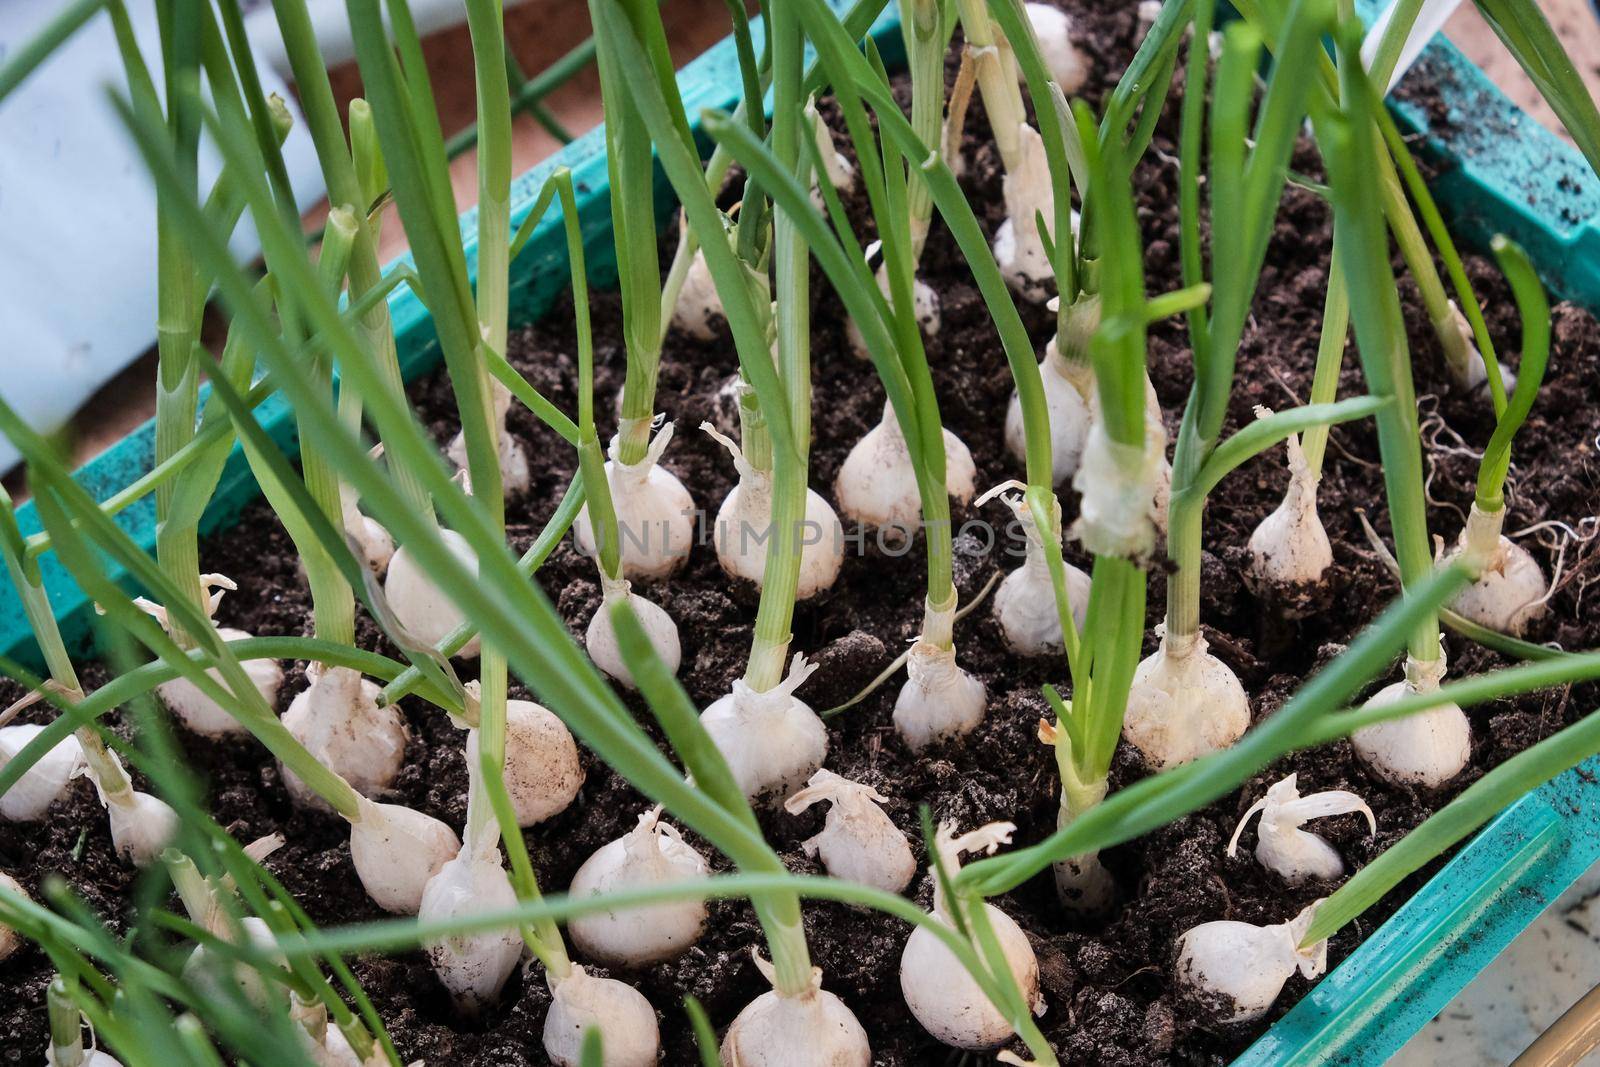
(1522,181)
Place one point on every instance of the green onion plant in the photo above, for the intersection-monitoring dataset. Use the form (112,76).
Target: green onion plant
(238,971)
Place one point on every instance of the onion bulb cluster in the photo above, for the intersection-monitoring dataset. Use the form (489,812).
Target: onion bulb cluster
(651,854)
(940,993)
(1247,965)
(858,841)
(773,741)
(1294,854)
(1184,703)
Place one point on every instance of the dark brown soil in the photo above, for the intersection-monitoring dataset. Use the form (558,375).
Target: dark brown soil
(1108,982)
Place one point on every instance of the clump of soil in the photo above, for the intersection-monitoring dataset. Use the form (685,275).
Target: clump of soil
(1108,981)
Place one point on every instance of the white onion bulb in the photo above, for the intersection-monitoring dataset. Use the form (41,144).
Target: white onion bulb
(1068,67)
(514,476)
(1025,603)
(205,716)
(1290,548)
(183,698)
(427,614)
(858,841)
(601,637)
(840,173)
(924,305)
(1294,854)
(396,850)
(338,719)
(1149,11)
(1066,383)
(581,1001)
(92,1057)
(325,1045)
(772,741)
(473,967)
(542,771)
(1509,591)
(1475,375)
(655,513)
(939,700)
(744,528)
(10,940)
(1018,249)
(142,826)
(377,546)
(941,994)
(812,1029)
(1426,748)
(1248,964)
(1184,703)
(43,783)
(698,307)
(335,1051)
(204,973)
(877,486)
(651,854)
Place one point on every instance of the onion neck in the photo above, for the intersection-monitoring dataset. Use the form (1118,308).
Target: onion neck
(633,434)
(1078,794)
(1424,676)
(997,81)
(1480,541)
(1075,327)
(938,621)
(1183,551)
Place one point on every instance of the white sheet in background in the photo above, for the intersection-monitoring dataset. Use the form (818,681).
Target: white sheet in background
(77,218)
